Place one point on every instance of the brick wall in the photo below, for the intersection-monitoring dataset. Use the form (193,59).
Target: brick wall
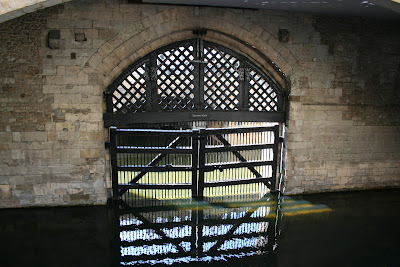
(343,117)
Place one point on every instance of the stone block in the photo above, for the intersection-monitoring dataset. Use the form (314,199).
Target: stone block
(17,154)
(91,136)
(80,79)
(101,24)
(16,137)
(5,190)
(81,198)
(5,137)
(34,136)
(92,33)
(90,153)
(54,80)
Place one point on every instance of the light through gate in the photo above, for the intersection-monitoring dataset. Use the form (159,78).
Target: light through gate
(176,164)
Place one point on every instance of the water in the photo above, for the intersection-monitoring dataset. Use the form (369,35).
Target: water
(331,229)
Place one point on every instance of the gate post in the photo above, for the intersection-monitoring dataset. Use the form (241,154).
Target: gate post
(195,161)
(114,163)
(202,163)
(198,157)
(275,158)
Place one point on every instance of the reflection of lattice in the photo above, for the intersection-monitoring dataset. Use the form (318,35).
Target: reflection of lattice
(130,95)
(262,96)
(175,78)
(221,80)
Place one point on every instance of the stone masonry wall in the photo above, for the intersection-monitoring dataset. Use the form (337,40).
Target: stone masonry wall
(51,147)
(344,122)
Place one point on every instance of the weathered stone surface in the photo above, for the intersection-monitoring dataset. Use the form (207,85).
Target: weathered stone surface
(344,117)
(5,190)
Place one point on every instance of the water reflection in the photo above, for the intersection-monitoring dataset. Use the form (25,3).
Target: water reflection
(204,231)
(362,230)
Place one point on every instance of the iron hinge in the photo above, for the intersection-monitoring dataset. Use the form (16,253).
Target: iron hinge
(107,145)
(106,93)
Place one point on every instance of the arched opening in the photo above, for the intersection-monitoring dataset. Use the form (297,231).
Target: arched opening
(193,76)
(195,117)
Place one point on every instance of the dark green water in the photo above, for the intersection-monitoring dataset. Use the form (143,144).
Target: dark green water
(363,229)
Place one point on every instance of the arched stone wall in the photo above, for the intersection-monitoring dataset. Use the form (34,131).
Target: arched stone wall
(177,24)
(343,132)
(156,28)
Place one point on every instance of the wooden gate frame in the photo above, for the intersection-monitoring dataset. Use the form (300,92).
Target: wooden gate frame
(198,151)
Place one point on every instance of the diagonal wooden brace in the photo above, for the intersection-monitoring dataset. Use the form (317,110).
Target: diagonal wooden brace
(153,162)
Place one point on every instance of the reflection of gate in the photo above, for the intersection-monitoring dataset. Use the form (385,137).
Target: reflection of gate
(193,163)
(200,232)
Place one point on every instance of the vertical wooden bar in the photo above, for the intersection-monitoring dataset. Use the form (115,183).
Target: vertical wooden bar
(244,85)
(195,155)
(196,73)
(283,159)
(153,93)
(114,163)
(275,158)
(201,74)
(202,155)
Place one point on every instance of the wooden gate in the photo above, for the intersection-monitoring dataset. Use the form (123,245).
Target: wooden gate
(193,81)
(196,162)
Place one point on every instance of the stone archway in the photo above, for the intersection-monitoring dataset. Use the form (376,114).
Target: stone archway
(193,81)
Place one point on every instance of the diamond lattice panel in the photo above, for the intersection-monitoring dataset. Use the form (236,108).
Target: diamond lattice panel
(175,78)
(221,80)
(262,96)
(130,94)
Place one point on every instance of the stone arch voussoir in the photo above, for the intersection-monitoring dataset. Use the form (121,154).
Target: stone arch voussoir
(254,41)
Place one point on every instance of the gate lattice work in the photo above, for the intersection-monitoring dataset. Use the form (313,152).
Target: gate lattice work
(193,76)
(196,162)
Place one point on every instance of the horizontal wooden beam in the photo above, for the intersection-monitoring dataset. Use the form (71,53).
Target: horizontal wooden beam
(147,168)
(155,186)
(236,148)
(238,182)
(187,116)
(243,164)
(163,150)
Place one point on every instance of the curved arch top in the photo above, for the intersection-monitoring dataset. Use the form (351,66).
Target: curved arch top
(205,79)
